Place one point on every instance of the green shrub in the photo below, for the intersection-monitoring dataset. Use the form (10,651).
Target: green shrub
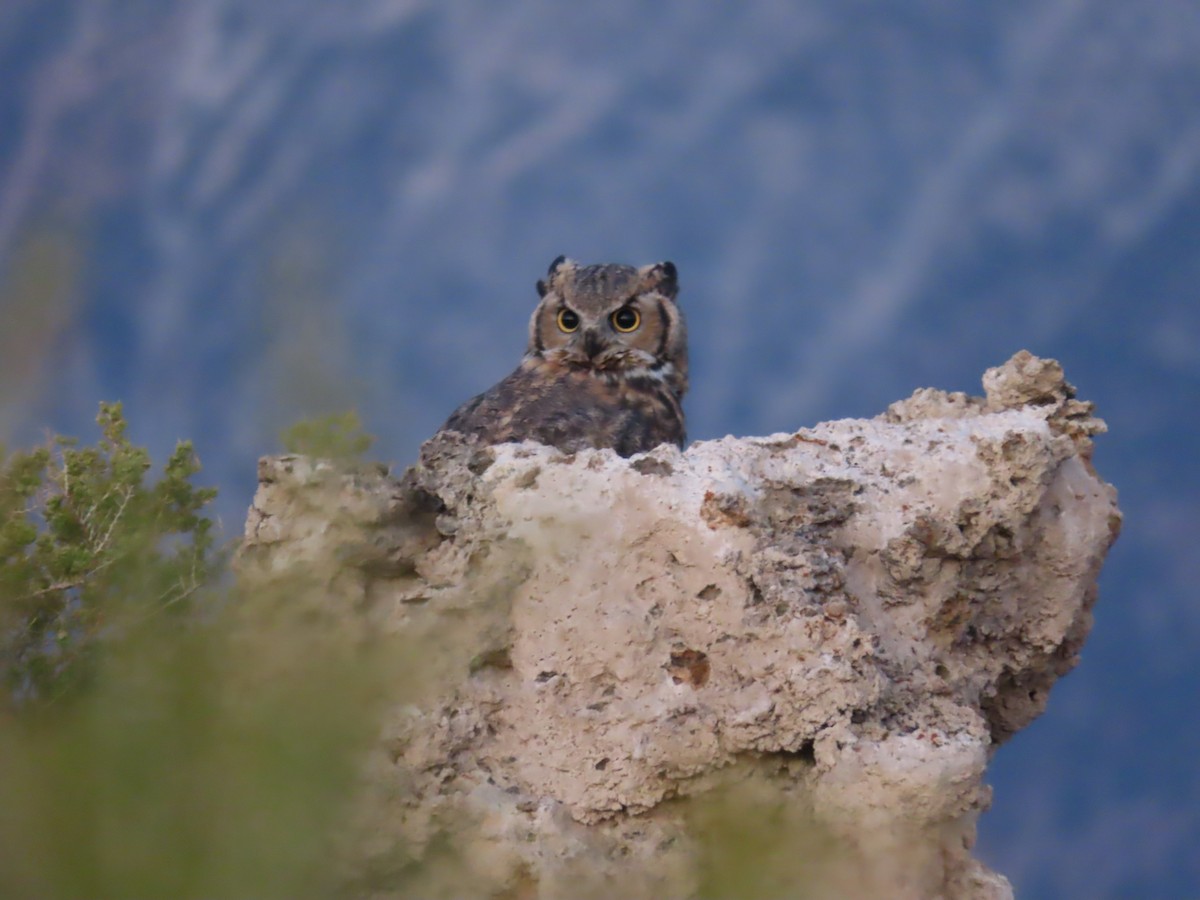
(337,436)
(159,738)
(86,542)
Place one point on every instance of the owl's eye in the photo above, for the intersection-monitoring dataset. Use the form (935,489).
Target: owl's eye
(568,320)
(626,319)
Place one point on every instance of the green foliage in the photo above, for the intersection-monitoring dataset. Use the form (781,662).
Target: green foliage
(338,436)
(85,540)
(205,762)
(210,747)
(756,846)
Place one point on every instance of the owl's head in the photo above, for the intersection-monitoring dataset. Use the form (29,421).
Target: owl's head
(613,320)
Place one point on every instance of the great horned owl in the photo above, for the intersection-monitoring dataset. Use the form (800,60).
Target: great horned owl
(606,365)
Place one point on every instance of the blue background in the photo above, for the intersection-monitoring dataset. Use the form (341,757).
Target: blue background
(232,214)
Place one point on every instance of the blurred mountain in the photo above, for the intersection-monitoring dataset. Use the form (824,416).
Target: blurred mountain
(231,214)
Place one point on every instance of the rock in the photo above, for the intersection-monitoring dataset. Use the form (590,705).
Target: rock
(838,626)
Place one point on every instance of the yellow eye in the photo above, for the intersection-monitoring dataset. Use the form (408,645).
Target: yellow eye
(568,320)
(626,319)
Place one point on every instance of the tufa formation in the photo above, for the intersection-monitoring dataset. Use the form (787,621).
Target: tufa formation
(784,660)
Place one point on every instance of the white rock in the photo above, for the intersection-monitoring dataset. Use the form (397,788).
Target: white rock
(844,622)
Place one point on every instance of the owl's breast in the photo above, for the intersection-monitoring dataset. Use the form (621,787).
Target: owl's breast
(573,409)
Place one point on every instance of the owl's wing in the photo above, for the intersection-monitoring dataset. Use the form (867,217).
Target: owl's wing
(490,415)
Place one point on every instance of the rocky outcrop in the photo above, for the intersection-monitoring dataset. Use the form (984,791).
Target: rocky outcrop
(830,631)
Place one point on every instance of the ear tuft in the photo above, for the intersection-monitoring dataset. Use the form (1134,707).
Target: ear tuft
(664,278)
(542,288)
(558,261)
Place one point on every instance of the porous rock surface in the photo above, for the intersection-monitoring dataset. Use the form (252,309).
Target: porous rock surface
(845,621)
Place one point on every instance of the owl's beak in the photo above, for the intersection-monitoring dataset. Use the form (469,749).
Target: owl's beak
(593,344)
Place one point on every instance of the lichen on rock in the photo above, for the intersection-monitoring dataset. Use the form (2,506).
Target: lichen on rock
(845,622)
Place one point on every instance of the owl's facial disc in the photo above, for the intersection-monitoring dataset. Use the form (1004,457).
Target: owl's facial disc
(610,320)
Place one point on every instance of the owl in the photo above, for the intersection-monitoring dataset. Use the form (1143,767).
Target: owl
(606,365)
